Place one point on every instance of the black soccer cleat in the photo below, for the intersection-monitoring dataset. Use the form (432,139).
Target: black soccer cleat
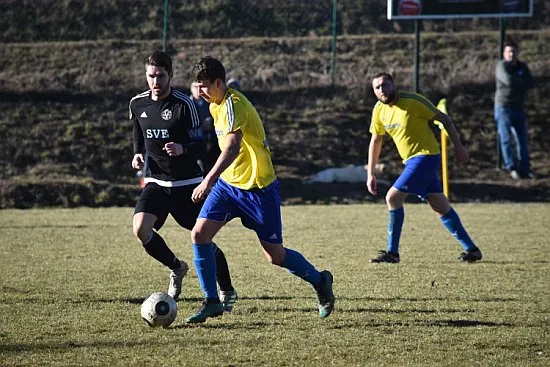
(471,256)
(325,294)
(208,309)
(385,257)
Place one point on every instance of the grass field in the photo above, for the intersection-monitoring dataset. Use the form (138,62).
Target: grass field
(72,281)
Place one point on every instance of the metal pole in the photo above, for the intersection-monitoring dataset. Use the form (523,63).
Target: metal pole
(502,23)
(416,55)
(165,26)
(333,56)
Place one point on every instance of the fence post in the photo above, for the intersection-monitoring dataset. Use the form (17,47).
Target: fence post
(416,83)
(333,55)
(165,26)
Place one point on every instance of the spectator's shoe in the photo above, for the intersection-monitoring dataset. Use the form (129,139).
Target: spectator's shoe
(515,175)
(528,175)
(325,294)
(208,309)
(176,277)
(386,257)
(228,299)
(471,256)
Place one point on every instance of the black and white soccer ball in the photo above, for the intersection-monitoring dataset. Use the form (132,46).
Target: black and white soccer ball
(159,310)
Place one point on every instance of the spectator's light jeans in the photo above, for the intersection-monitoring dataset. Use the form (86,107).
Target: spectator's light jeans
(511,125)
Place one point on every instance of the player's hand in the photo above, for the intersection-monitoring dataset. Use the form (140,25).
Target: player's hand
(137,161)
(461,154)
(173,149)
(371,185)
(200,192)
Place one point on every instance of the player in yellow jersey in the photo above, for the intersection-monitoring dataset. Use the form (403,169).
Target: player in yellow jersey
(405,117)
(242,183)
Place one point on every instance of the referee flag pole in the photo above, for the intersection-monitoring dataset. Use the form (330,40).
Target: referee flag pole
(442,106)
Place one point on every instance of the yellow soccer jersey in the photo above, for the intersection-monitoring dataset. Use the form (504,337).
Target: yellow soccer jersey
(407,122)
(253,167)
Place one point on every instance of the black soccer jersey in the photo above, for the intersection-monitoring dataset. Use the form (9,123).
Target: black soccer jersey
(172,119)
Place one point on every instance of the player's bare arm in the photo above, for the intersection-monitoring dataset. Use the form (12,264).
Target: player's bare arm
(461,153)
(375,148)
(227,156)
(137,161)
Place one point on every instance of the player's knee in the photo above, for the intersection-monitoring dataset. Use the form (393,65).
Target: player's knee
(391,200)
(199,235)
(142,233)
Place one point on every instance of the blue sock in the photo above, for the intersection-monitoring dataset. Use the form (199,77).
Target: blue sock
(205,263)
(451,221)
(298,265)
(395,224)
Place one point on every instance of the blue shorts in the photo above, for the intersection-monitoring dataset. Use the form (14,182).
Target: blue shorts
(259,209)
(420,176)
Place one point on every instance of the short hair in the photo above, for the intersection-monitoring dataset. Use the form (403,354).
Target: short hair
(510,43)
(384,75)
(161,59)
(208,69)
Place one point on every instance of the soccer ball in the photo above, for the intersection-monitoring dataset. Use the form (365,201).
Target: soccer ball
(159,310)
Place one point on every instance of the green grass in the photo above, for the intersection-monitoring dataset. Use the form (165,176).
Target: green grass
(72,281)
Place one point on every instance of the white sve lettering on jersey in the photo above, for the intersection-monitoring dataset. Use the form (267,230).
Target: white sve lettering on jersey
(157,133)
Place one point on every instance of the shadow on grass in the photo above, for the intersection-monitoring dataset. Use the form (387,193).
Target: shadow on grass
(413,310)
(430,299)
(240,326)
(430,323)
(32,347)
(252,309)
(466,323)
(52,226)
(516,262)
(139,300)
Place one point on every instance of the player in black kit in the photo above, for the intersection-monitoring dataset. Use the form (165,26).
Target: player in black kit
(167,139)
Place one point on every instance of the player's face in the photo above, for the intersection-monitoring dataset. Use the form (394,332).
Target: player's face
(212,92)
(384,89)
(195,90)
(510,54)
(159,81)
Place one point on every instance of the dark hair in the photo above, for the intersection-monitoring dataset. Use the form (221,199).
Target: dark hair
(510,43)
(208,69)
(161,59)
(385,75)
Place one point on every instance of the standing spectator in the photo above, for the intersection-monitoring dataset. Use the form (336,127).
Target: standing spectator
(513,79)
(242,183)
(405,117)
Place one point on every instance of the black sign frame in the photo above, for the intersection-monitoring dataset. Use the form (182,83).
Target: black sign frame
(458,9)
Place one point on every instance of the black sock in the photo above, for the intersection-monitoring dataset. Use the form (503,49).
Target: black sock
(222,270)
(158,249)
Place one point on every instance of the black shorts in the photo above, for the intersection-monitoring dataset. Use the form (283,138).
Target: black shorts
(176,201)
